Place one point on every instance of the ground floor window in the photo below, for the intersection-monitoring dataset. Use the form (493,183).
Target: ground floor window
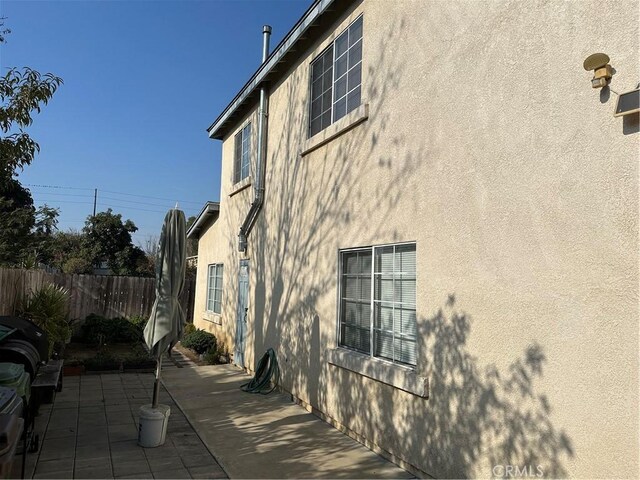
(378,301)
(214,288)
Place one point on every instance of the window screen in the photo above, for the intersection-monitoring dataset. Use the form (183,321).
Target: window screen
(355,318)
(241,157)
(394,300)
(379,322)
(347,70)
(336,77)
(214,288)
(321,79)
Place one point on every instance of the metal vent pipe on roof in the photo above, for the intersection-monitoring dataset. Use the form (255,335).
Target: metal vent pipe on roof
(256,205)
(266,35)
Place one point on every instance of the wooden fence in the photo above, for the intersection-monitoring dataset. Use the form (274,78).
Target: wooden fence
(109,296)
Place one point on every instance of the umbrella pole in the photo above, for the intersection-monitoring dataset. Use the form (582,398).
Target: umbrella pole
(156,385)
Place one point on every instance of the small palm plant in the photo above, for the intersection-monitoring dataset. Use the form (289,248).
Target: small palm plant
(48,307)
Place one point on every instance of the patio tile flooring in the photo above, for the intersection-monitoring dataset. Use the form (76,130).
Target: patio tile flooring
(91,431)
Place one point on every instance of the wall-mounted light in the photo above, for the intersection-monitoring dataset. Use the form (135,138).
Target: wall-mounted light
(602,71)
(628,102)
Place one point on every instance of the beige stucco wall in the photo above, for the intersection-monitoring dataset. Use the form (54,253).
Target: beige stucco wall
(218,244)
(486,145)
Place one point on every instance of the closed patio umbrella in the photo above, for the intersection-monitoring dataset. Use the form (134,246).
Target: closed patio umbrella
(166,323)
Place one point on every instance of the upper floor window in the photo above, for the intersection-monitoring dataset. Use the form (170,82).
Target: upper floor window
(336,76)
(241,157)
(214,288)
(378,301)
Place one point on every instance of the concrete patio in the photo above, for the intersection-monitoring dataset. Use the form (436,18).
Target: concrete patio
(257,436)
(90,431)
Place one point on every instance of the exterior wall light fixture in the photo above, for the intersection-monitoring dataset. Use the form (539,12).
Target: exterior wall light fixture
(602,71)
(628,102)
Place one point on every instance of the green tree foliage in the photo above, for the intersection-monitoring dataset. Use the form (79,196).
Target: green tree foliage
(192,243)
(65,253)
(3,30)
(44,228)
(151,254)
(77,265)
(104,238)
(108,238)
(17,218)
(192,249)
(46,220)
(23,92)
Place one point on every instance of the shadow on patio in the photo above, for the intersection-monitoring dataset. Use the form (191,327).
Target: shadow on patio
(258,436)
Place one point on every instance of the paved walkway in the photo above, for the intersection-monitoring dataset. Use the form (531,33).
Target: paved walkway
(91,431)
(256,436)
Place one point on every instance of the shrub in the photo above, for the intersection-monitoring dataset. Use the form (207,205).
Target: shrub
(189,328)
(48,307)
(139,322)
(100,330)
(200,341)
(212,357)
(102,361)
(139,358)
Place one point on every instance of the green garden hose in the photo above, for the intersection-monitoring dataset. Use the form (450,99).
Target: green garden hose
(266,373)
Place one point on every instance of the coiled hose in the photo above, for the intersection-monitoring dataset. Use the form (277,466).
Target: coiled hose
(266,371)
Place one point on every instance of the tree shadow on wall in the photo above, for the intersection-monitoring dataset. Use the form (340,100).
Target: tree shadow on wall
(477,414)
(352,188)
(311,202)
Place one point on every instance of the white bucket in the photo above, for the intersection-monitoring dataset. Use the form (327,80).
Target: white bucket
(152,427)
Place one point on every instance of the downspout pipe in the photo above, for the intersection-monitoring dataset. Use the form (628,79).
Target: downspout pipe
(263,113)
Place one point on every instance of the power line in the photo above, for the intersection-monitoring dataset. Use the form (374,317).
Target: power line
(112,205)
(55,200)
(86,195)
(56,186)
(155,198)
(62,187)
(133,201)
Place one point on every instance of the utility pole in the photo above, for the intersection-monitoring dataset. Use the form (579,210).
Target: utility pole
(95,200)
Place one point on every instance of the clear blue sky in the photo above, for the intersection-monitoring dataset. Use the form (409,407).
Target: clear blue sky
(142,82)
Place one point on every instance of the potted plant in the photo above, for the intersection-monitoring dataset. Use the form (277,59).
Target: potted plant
(73,368)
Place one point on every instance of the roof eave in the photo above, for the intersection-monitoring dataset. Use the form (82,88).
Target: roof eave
(216,130)
(209,210)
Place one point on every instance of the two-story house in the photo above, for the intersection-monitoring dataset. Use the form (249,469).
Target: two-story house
(432,217)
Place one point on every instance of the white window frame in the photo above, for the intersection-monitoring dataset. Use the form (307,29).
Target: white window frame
(370,354)
(217,286)
(334,80)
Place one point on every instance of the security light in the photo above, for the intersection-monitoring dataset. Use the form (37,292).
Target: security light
(602,71)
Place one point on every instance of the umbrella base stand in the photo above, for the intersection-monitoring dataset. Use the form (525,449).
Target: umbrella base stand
(154,418)
(152,426)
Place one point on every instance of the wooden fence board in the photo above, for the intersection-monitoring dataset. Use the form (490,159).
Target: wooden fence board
(109,296)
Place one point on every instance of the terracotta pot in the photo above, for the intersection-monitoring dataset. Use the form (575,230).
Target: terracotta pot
(73,370)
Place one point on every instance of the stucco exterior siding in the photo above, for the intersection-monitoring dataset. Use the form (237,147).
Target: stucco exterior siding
(486,145)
